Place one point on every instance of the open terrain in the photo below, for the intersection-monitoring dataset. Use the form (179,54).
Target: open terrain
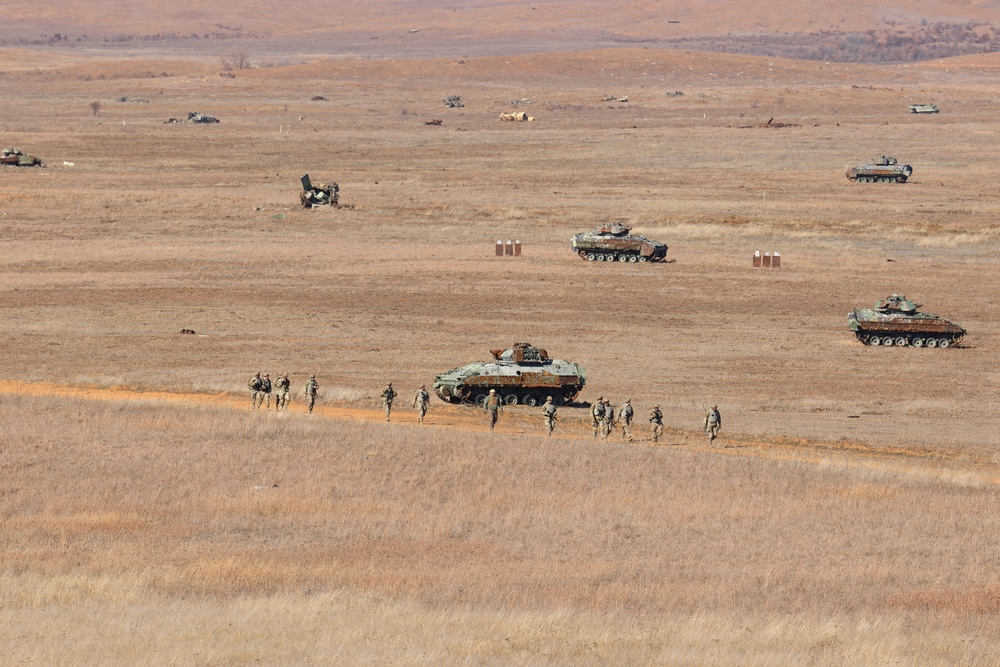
(149,516)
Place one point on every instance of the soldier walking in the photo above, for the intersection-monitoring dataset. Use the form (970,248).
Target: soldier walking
(283,386)
(265,390)
(420,402)
(388,395)
(625,416)
(312,388)
(597,415)
(656,423)
(549,412)
(609,418)
(713,423)
(493,406)
(255,385)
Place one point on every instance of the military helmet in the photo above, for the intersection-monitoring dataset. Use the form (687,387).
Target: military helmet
(715,407)
(312,377)
(493,391)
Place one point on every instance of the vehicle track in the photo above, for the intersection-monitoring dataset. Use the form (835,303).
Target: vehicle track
(945,466)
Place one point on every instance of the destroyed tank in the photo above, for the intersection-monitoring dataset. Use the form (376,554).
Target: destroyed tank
(897,322)
(612,242)
(521,373)
(883,170)
(15,157)
(318,194)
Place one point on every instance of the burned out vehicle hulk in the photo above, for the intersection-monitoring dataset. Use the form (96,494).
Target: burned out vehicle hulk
(612,242)
(15,157)
(318,194)
(897,322)
(521,373)
(883,170)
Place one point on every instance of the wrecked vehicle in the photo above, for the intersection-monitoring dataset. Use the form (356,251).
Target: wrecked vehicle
(897,322)
(883,170)
(15,157)
(194,117)
(612,242)
(521,373)
(924,108)
(318,194)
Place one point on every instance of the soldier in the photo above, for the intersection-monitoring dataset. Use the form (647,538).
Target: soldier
(493,406)
(265,390)
(420,402)
(255,385)
(625,416)
(549,412)
(609,418)
(388,395)
(713,423)
(283,386)
(312,388)
(597,415)
(656,422)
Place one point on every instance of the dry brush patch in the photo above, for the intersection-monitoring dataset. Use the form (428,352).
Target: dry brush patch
(174,506)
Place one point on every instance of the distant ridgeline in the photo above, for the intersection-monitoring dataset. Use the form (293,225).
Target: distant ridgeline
(893,43)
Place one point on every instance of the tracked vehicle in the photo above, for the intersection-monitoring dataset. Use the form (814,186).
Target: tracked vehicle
(15,157)
(521,373)
(896,322)
(612,242)
(883,170)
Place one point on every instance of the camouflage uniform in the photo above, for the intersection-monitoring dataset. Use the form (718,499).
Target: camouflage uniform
(312,388)
(656,423)
(713,422)
(265,390)
(283,386)
(420,402)
(493,406)
(609,418)
(388,395)
(255,385)
(597,415)
(625,415)
(549,411)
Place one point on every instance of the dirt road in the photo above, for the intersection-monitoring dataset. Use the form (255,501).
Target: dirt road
(954,467)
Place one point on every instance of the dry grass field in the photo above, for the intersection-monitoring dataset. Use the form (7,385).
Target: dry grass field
(150,518)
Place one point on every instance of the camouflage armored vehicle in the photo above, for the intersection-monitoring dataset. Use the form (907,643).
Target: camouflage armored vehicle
(612,242)
(924,108)
(318,194)
(896,321)
(15,157)
(884,170)
(521,373)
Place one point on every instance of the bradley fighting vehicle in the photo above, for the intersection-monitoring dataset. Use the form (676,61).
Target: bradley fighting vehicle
(884,170)
(318,194)
(611,242)
(15,157)
(895,321)
(519,374)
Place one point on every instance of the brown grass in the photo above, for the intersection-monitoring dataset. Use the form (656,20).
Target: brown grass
(814,537)
(237,516)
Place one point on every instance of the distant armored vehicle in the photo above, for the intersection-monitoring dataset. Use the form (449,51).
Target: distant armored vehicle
(924,108)
(519,374)
(15,157)
(896,321)
(612,242)
(318,194)
(884,170)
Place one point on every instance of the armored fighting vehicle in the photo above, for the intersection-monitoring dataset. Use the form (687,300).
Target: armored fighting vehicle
(896,321)
(612,242)
(15,157)
(521,373)
(924,108)
(884,170)
(318,194)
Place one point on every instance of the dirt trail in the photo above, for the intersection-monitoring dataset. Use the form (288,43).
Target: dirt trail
(951,467)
